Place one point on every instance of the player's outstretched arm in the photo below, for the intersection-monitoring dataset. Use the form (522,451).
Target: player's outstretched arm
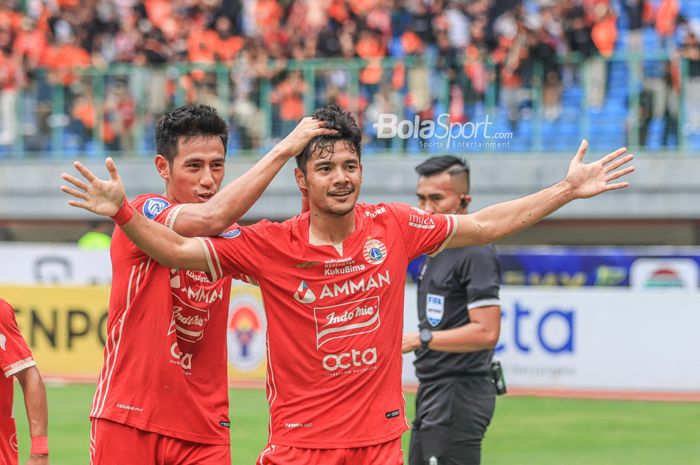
(581,182)
(37,413)
(233,201)
(108,198)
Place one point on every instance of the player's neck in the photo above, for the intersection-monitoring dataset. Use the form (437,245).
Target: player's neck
(332,230)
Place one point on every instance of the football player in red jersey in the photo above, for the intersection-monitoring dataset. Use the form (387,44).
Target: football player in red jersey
(334,302)
(162,394)
(16,361)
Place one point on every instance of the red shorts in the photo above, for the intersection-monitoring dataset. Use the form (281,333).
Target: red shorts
(116,444)
(388,453)
(8,442)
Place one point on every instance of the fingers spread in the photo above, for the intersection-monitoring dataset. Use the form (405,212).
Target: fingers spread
(611,156)
(619,185)
(619,174)
(618,163)
(87,174)
(75,181)
(74,192)
(582,150)
(112,169)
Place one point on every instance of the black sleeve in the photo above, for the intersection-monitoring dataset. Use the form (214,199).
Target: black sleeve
(481,276)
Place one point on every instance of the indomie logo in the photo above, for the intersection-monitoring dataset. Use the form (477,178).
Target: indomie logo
(346,319)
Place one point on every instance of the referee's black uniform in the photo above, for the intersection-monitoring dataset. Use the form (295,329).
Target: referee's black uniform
(456,396)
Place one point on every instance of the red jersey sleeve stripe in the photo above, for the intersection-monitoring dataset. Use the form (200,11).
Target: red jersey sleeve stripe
(19,366)
(213,262)
(451,231)
(172,216)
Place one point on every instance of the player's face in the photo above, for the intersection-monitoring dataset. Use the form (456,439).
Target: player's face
(197,171)
(333,182)
(437,194)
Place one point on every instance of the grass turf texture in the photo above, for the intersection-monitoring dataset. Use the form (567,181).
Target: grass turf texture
(525,430)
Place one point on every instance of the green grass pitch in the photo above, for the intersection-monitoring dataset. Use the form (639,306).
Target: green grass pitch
(525,430)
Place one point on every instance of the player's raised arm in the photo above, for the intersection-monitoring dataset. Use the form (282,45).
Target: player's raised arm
(581,182)
(108,198)
(233,201)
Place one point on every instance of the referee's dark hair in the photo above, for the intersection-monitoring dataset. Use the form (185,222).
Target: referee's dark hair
(188,122)
(445,163)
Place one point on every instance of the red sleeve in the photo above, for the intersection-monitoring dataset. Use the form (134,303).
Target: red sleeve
(15,355)
(422,232)
(241,251)
(154,207)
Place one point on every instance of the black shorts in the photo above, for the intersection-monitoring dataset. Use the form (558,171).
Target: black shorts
(451,419)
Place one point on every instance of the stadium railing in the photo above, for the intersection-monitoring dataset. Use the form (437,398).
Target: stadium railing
(644,102)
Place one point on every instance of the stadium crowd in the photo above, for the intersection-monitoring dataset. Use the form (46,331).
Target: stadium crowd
(509,46)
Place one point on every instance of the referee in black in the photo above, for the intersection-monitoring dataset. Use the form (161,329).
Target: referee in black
(459,317)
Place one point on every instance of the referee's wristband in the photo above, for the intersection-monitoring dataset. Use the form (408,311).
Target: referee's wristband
(124,214)
(40,445)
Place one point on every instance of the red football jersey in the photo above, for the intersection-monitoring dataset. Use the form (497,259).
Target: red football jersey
(165,367)
(15,356)
(335,321)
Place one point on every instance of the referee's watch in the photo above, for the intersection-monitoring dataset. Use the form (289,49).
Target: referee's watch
(425,336)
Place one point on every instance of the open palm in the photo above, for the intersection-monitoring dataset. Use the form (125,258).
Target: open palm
(103,197)
(590,179)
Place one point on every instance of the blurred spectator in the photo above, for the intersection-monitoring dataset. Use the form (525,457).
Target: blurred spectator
(691,52)
(604,35)
(666,16)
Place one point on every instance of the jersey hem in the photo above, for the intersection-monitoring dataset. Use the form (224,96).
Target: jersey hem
(341,444)
(188,437)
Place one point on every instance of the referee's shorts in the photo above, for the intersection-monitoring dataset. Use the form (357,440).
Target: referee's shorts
(452,415)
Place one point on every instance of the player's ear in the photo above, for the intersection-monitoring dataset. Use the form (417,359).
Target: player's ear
(300,178)
(162,166)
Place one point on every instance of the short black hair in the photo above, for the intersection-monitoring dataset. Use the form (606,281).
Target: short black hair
(445,163)
(341,121)
(188,122)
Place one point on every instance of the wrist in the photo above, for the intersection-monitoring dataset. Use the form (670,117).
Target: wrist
(40,445)
(124,214)
(567,190)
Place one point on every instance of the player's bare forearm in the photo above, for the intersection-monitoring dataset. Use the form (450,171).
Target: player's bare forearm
(234,200)
(582,181)
(165,245)
(34,400)
(507,218)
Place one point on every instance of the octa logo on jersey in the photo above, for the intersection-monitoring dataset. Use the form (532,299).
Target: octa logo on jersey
(333,362)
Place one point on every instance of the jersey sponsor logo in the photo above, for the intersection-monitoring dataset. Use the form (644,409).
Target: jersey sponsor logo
(131,408)
(421,222)
(374,251)
(420,211)
(153,207)
(345,265)
(180,358)
(199,294)
(199,276)
(434,308)
(346,319)
(375,213)
(3,341)
(354,358)
(231,234)
(350,286)
(307,265)
(190,322)
(303,294)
